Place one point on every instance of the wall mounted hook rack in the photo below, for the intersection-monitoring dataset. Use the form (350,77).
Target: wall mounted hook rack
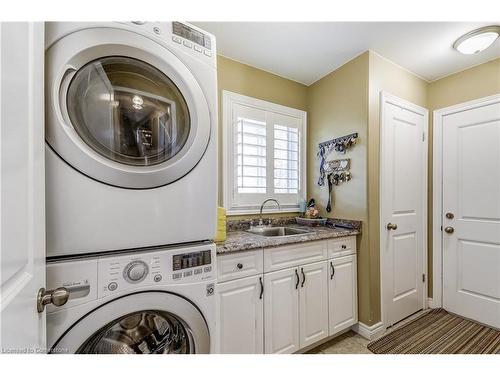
(340,144)
(337,140)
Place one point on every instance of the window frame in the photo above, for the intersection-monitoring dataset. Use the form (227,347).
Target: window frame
(229,181)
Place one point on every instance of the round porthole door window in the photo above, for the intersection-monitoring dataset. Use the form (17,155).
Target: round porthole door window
(123,109)
(149,322)
(142,332)
(128,111)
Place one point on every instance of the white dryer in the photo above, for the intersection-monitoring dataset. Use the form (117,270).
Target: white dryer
(158,301)
(131,118)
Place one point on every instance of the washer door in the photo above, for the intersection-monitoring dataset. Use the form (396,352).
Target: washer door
(124,110)
(140,323)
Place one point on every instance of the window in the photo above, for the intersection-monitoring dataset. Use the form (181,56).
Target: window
(263,154)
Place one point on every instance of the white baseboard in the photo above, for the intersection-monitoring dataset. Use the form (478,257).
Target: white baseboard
(369,332)
(430,303)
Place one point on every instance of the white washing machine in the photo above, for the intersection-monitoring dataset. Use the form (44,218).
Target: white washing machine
(158,301)
(131,118)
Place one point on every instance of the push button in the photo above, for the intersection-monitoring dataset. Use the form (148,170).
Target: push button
(198,48)
(176,39)
(187,44)
(157,278)
(207,53)
(112,286)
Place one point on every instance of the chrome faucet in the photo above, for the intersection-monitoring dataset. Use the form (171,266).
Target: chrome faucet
(262,206)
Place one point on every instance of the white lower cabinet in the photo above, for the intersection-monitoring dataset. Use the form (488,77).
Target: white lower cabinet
(284,306)
(281,311)
(295,307)
(241,316)
(342,291)
(313,297)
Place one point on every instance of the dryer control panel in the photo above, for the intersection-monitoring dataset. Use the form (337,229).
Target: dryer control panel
(184,37)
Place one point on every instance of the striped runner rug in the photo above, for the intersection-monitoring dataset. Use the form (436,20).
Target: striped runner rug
(439,332)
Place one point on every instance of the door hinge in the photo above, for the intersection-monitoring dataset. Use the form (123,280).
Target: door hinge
(423,136)
(423,277)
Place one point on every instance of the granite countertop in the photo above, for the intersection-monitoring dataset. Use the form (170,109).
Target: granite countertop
(239,240)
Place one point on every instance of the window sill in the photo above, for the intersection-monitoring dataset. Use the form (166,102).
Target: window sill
(266,211)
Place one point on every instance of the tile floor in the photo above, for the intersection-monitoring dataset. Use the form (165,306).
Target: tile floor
(352,343)
(347,343)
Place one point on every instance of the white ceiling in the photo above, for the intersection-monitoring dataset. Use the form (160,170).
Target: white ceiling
(307,51)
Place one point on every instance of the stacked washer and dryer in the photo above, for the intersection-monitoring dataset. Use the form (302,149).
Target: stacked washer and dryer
(131,116)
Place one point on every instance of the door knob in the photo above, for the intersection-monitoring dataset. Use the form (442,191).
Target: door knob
(57,297)
(391,226)
(449,230)
(449,215)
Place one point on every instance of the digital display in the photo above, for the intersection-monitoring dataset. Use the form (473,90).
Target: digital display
(191,34)
(189,260)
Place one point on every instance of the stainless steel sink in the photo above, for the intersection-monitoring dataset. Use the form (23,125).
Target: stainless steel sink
(278,231)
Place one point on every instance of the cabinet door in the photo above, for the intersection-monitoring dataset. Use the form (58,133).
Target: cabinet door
(342,293)
(241,323)
(313,301)
(281,311)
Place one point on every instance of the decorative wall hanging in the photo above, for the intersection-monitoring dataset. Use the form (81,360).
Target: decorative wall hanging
(339,165)
(337,172)
(340,144)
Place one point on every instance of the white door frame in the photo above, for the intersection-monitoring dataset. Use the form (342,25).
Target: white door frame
(389,98)
(437,190)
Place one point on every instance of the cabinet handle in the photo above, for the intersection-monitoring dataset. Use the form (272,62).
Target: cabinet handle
(261,288)
(297,278)
(344,247)
(333,270)
(303,277)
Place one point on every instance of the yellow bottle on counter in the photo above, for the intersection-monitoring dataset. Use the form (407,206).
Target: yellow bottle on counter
(220,235)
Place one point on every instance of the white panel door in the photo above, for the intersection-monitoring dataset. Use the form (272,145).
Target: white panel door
(313,302)
(281,311)
(471,193)
(342,293)
(22,204)
(403,191)
(241,316)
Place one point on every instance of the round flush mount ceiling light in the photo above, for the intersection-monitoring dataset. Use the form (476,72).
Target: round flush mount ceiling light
(477,40)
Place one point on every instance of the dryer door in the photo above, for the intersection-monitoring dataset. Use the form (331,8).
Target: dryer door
(123,109)
(140,323)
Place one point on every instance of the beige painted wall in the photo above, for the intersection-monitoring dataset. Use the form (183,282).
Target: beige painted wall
(474,83)
(338,105)
(247,80)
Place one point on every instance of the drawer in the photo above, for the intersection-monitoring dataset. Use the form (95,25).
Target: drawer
(238,265)
(292,255)
(341,246)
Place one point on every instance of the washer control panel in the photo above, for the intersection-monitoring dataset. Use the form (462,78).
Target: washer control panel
(100,276)
(161,267)
(190,260)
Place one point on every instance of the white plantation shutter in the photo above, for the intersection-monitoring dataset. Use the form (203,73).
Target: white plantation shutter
(251,156)
(264,150)
(286,160)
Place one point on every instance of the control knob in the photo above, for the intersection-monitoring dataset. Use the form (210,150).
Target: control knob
(135,271)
